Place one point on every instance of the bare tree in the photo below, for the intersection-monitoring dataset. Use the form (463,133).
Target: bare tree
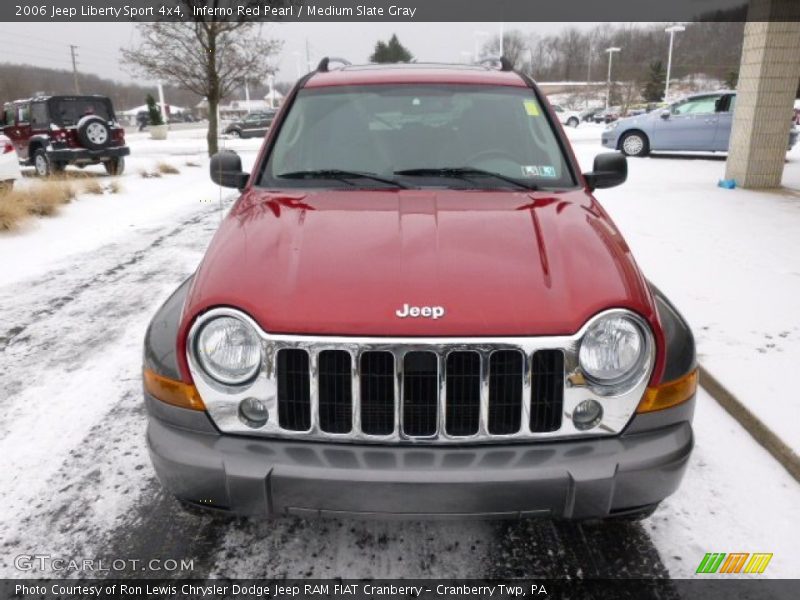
(207,56)
(515,48)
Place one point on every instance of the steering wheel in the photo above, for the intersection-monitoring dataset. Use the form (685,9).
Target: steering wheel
(490,154)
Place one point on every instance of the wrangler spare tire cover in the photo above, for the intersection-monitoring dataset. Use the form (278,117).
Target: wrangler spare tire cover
(93,132)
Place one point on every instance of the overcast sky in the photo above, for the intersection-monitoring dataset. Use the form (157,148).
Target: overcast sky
(47,44)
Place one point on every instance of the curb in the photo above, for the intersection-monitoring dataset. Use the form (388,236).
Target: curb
(788,459)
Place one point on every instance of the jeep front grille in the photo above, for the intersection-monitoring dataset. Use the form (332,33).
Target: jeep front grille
(407,385)
(458,390)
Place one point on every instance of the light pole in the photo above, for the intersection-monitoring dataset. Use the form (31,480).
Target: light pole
(610,60)
(671,31)
(476,35)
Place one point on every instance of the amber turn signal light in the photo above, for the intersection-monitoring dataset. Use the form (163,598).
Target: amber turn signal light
(669,394)
(172,392)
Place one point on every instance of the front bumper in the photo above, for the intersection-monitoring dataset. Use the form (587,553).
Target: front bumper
(609,139)
(590,478)
(86,155)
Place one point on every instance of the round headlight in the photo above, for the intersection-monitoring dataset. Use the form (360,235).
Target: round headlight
(613,351)
(229,350)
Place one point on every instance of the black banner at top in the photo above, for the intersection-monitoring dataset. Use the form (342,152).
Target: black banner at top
(400,10)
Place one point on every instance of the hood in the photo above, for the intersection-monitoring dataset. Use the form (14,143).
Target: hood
(344,262)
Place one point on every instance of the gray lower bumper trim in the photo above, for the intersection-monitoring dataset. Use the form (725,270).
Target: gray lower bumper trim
(575,479)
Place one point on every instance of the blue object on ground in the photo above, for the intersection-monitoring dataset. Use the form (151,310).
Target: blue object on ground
(728,184)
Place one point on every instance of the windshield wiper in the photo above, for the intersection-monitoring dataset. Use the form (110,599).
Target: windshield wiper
(465,173)
(341,175)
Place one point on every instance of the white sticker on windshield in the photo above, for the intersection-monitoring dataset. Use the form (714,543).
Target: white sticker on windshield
(530,171)
(547,171)
(538,171)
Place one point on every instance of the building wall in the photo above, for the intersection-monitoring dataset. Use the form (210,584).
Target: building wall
(768,78)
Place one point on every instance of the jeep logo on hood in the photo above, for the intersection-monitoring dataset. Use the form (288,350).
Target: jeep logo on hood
(428,312)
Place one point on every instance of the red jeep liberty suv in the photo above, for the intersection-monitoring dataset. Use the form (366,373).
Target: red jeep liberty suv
(416,308)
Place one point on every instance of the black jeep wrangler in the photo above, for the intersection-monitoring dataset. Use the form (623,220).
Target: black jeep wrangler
(51,132)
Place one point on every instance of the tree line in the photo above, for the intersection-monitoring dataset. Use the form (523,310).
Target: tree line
(713,49)
(23,81)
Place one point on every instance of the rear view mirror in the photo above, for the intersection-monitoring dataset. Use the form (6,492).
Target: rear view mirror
(226,170)
(610,169)
(665,113)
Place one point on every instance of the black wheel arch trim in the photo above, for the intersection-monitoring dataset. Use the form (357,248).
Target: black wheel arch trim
(160,341)
(681,356)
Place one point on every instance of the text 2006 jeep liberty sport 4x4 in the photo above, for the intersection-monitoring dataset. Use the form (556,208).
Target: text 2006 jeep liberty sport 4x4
(417,308)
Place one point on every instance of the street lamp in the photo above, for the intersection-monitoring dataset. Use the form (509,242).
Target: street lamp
(610,59)
(671,31)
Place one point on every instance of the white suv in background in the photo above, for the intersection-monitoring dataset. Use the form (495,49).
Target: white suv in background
(571,118)
(9,165)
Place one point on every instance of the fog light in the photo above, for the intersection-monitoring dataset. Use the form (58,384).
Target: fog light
(587,414)
(253,412)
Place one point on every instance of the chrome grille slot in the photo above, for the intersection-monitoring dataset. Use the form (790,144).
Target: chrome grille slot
(420,393)
(294,390)
(505,391)
(377,393)
(463,398)
(547,390)
(335,383)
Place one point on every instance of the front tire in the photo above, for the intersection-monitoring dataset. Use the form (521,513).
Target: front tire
(236,133)
(635,143)
(573,122)
(115,166)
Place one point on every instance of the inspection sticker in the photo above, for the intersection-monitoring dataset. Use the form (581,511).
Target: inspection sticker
(530,171)
(547,171)
(538,171)
(531,108)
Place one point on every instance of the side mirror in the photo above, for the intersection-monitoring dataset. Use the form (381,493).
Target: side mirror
(226,170)
(610,169)
(665,114)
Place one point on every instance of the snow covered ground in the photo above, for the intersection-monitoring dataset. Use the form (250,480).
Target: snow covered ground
(76,293)
(728,259)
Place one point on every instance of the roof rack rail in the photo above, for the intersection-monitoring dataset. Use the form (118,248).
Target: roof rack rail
(505,64)
(322,67)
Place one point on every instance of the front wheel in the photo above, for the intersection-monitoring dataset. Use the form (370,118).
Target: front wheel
(236,133)
(573,122)
(115,166)
(635,144)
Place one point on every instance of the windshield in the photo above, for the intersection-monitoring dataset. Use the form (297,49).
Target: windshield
(68,111)
(459,136)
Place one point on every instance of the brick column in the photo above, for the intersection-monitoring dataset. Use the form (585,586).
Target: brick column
(768,77)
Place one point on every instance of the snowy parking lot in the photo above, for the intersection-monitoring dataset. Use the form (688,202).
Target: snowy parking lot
(77,292)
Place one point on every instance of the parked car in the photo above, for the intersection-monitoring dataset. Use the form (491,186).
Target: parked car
(9,165)
(397,321)
(51,132)
(587,116)
(608,115)
(700,122)
(253,125)
(571,118)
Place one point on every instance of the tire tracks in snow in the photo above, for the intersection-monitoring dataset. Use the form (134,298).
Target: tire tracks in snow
(72,433)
